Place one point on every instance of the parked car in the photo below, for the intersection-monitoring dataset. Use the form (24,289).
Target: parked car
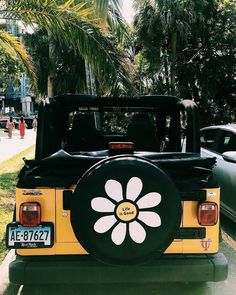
(108,199)
(3,123)
(220,142)
(29,121)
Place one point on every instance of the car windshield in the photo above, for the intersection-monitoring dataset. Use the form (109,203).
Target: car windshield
(148,130)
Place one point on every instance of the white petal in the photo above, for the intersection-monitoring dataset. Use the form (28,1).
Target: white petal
(104,223)
(100,204)
(134,188)
(114,190)
(137,232)
(149,200)
(118,234)
(150,218)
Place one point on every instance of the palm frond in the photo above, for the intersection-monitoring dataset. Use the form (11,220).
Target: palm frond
(76,25)
(13,47)
(47,13)
(102,7)
(117,25)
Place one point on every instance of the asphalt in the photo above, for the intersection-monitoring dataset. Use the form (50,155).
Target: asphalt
(9,147)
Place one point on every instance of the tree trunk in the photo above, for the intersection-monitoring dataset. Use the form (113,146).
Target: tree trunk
(166,73)
(51,71)
(90,80)
(50,86)
(173,60)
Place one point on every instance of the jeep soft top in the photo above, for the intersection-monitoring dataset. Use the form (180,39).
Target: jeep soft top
(117,186)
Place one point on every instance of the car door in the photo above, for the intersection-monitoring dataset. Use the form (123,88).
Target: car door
(224,171)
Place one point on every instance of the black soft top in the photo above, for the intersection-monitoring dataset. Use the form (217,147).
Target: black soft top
(165,102)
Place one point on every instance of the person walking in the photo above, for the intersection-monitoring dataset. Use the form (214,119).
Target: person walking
(10,126)
(35,123)
(22,126)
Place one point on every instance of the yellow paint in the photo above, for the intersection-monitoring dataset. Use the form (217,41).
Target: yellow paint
(47,202)
(51,202)
(175,247)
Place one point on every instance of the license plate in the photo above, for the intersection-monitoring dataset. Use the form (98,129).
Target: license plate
(21,237)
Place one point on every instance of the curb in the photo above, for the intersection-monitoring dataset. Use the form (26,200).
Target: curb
(4,271)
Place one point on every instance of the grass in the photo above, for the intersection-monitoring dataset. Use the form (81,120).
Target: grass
(8,178)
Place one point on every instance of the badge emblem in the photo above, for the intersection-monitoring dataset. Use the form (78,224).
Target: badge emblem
(206,243)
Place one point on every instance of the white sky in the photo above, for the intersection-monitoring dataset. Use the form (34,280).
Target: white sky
(127,10)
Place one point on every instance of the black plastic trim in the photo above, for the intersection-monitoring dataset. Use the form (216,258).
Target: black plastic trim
(67,198)
(191,233)
(199,196)
(86,270)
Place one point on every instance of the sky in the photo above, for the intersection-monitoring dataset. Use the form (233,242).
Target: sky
(127,10)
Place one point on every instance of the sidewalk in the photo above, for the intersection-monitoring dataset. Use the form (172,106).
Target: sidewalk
(10,147)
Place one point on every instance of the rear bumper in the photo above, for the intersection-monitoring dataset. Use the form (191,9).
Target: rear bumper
(85,270)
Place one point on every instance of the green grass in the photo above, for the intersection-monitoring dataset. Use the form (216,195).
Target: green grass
(8,178)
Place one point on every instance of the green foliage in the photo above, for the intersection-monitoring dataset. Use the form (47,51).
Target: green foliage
(80,26)
(83,41)
(11,46)
(10,69)
(69,66)
(198,62)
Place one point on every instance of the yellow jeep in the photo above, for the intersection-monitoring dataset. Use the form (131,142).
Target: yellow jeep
(117,192)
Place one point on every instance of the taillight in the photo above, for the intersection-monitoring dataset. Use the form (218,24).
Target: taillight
(207,213)
(121,148)
(30,214)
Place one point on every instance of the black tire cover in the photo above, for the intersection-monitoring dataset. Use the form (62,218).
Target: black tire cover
(125,210)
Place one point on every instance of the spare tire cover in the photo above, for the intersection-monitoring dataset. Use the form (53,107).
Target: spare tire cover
(125,210)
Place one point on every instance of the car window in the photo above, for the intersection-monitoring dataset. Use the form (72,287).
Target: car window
(208,139)
(227,142)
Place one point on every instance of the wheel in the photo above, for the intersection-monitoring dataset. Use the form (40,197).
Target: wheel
(125,210)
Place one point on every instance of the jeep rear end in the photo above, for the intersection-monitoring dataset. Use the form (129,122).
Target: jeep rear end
(111,196)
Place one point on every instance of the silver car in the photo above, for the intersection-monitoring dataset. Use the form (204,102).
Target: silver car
(220,142)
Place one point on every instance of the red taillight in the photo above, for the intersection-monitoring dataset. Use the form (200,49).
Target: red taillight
(121,148)
(207,213)
(30,214)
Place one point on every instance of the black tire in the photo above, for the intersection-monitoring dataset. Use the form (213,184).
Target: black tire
(117,190)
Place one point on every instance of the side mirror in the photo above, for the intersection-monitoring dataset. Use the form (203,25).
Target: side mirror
(229,157)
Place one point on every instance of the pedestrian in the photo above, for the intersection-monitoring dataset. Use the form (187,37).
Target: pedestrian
(35,123)
(22,126)
(10,126)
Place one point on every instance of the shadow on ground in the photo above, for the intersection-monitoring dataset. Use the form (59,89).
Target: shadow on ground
(115,289)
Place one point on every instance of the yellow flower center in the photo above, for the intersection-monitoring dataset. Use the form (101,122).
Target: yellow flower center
(126,211)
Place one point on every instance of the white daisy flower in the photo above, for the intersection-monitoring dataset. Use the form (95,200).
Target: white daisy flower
(125,212)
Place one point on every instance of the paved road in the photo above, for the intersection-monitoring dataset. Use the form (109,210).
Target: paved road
(10,147)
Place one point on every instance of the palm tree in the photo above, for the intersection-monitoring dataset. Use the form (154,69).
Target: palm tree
(15,49)
(79,24)
(170,21)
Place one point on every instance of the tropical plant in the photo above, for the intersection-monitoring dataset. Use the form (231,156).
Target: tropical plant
(199,63)
(10,69)
(78,24)
(162,26)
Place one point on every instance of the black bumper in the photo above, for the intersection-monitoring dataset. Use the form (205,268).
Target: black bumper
(85,270)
